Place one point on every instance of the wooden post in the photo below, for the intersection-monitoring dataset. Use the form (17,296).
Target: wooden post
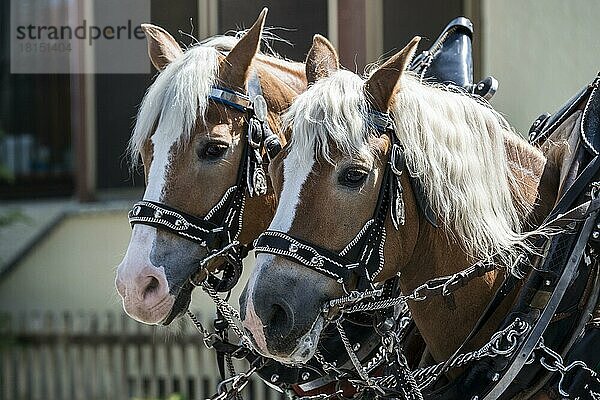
(80,128)
(352,34)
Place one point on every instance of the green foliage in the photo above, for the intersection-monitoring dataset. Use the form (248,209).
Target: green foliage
(12,216)
(5,173)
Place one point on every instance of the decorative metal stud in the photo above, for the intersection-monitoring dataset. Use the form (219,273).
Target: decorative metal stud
(305,376)
(356,347)
(158,214)
(293,248)
(548,282)
(341,280)
(596,234)
(274,378)
(178,222)
(386,325)
(598,225)
(316,260)
(137,210)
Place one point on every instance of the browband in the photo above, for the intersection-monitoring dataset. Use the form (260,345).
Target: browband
(230,98)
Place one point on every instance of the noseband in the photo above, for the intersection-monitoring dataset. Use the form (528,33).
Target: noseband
(218,231)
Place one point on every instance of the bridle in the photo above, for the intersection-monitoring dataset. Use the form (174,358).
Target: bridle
(359,263)
(219,229)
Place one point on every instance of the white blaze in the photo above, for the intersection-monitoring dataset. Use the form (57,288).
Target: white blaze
(295,175)
(143,236)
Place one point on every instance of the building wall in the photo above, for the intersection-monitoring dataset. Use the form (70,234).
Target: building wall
(73,269)
(541,52)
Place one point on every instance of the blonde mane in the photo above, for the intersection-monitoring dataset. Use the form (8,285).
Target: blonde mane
(333,110)
(179,94)
(454,145)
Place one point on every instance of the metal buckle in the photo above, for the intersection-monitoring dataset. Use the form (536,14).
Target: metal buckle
(231,98)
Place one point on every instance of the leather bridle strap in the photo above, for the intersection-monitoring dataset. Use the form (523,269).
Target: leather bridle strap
(316,258)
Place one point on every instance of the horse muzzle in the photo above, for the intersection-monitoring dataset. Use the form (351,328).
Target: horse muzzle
(145,295)
(281,309)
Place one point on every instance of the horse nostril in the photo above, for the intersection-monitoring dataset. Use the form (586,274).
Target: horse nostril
(281,321)
(151,287)
(278,315)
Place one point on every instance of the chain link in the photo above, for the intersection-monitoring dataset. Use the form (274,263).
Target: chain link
(553,362)
(238,383)
(442,286)
(502,343)
(230,388)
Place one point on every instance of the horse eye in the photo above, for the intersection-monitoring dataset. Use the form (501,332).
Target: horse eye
(213,151)
(352,177)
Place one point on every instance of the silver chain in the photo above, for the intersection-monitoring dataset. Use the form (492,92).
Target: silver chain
(230,314)
(553,362)
(353,357)
(444,286)
(238,383)
(231,387)
(502,343)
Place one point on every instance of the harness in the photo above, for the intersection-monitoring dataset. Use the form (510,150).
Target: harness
(218,232)
(357,266)
(373,315)
(523,344)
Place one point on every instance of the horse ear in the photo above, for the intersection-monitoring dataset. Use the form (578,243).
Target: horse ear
(322,59)
(234,68)
(382,83)
(162,47)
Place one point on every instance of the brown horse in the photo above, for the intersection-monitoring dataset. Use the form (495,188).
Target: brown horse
(486,186)
(191,148)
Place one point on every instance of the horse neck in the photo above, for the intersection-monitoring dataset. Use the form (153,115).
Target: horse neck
(290,72)
(281,81)
(537,178)
(445,322)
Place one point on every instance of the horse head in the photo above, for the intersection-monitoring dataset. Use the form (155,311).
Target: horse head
(372,166)
(192,134)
